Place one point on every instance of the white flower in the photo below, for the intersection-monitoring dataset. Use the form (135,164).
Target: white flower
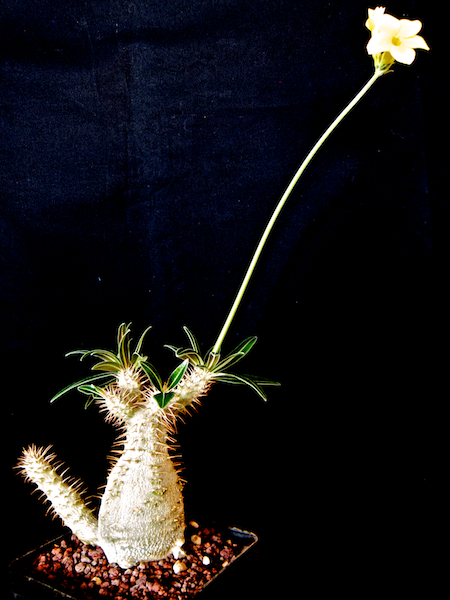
(374,15)
(393,36)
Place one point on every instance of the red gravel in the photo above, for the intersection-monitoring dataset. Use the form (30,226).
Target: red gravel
(72,566)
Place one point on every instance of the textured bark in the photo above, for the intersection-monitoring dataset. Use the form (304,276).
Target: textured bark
(142,513)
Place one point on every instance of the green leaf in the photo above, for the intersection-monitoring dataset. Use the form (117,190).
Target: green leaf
(191,336)
(245,346)
(231,359)
(238,353)
(184,353)
(174,349)
(89,390)
(212,361)
(107,366)
(262,380)
(105,355)
(72,352)
(141,340)
(241,380)
(122,331)
(88,402)
(123,344)
(177,375)
(163,398)
(77,384)
(152,374)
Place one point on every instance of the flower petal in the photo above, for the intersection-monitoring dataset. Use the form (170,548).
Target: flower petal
(374,14)
(415,42)
(388,25)
(409,28)
(402,54)
(379,43)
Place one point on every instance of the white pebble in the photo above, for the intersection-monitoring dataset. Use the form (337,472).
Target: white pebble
(179,566)
(206,560)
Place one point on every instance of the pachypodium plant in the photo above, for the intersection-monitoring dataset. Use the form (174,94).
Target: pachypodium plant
(141,515)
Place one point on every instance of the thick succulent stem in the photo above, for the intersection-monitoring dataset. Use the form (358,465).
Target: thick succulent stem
(142,514)
(37,466)
(194,385)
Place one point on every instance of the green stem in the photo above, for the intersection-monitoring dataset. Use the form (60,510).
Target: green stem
(282,202)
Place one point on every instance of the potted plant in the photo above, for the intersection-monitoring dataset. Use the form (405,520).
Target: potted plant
(141,516)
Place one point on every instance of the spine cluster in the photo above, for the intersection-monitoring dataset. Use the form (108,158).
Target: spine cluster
(38,466)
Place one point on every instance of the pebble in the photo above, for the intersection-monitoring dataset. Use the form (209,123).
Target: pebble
(179,566)
(86,568)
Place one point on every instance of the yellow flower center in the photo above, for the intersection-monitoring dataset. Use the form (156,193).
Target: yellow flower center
(396,41)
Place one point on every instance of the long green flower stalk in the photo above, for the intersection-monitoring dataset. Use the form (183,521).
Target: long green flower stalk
(282,202)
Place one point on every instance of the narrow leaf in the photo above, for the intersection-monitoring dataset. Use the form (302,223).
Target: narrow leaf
(177,375)
(90,390)
(88,402)
(85,389)
(82,382)
(168,397)
(212,361)
(122,334)
(160,398)
(102,354)
(238,353)
(124,349)
(83,353)
(141,340)
(245,346)
(105,355)
(241,379)
(174,349)
(231,359)
(72,352)
(152,374)
(107,366)
(192,339)
(163,398)
(262,380)
(184,353)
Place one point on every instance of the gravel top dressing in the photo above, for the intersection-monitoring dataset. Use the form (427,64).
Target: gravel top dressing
(83,571)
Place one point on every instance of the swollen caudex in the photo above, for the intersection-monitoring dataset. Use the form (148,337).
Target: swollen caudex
(142,511)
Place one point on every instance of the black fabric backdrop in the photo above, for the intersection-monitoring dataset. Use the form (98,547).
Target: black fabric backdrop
(144,145)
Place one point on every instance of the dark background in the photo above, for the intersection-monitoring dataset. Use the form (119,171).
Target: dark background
(144,145)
